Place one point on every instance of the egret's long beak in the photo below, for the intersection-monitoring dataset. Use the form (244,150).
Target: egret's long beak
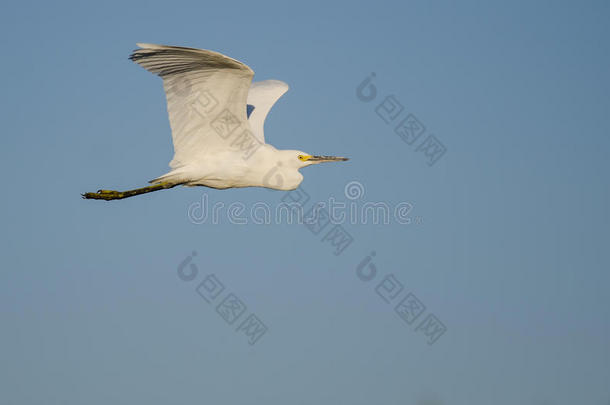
(322,159)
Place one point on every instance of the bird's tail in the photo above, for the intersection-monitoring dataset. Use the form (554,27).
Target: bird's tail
(174,177)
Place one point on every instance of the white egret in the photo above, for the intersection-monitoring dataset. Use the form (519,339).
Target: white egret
(217,116)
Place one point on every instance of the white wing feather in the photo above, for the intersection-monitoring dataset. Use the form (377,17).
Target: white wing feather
(206,98)
(262,96)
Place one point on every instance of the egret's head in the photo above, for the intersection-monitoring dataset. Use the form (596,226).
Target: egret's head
(303,159)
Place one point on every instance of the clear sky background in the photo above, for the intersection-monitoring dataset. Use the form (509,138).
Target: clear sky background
(508,244)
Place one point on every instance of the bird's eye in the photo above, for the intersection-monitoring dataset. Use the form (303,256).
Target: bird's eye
(301,157)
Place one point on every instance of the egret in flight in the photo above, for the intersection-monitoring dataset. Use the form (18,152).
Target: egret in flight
(216,116)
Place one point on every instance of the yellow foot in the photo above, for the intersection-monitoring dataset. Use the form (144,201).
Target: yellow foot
(104,195)
(117,195)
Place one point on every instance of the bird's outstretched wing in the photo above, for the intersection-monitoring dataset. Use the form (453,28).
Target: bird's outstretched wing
(261,97)
(206,99)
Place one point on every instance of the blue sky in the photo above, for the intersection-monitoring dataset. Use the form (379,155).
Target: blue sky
(507,247)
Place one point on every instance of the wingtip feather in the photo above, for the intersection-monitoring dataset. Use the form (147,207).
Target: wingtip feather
(149,46)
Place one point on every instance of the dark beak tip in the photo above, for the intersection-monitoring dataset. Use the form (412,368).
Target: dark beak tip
(328,159)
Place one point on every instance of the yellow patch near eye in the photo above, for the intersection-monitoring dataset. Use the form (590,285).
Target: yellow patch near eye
(304,158)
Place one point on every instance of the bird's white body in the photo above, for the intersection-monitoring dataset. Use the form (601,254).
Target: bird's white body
(217,115)
(267,167)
